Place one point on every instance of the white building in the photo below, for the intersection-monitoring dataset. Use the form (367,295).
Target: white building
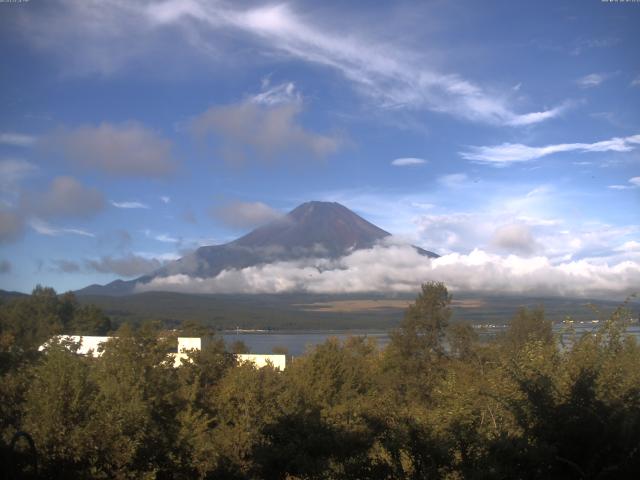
(277,361)
(87,345)
(91,345)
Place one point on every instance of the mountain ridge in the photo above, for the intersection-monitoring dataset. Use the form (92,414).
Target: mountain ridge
(311,230)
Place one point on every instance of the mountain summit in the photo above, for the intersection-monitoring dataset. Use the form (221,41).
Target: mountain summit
(326,226)
(313,229)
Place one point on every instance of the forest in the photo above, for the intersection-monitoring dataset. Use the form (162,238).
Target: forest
(436,402)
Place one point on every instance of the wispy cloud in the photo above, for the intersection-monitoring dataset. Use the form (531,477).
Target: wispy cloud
(129,205)
(165,199)
(508,153)
(392,80)
(592,80)
(277,94)
(391,76)
(17,139)
(634,182)
(43,228)
(583,44)
(408,162)
(161,237)
(636,82)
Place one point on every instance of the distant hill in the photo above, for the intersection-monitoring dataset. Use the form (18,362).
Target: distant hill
(6,295)
(313,229)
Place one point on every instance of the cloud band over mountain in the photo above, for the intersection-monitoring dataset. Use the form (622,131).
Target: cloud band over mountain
(399,268)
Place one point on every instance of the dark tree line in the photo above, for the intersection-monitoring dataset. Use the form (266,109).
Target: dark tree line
(435,403)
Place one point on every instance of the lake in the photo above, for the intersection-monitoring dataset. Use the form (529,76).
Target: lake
(296,342)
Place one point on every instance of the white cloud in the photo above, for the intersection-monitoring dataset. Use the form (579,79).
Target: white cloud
(65,197)
(391,79)
(469,221)
(127,149)
(515,238)
(17,139)
(514,227)
(630,246)
(408,161)
(635,181)
(508,153)
(265,126)
(127,266)
(165,199)
(636,82)
(129,205)
(399,268)
(455,232)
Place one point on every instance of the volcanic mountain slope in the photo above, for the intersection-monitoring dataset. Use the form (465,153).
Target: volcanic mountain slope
(313,229)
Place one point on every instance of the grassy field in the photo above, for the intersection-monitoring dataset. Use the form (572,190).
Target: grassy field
(313,312)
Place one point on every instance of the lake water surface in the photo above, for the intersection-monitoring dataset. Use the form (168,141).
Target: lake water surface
(297,342)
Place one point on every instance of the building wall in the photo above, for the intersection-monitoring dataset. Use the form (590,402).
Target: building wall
(91,345)
(189,343)
(88,344)
(278,361)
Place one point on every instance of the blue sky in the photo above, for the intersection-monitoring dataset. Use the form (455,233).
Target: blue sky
(133,132)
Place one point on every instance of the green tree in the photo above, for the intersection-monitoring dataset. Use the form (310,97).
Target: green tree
(423,328)
(89,320)
(238,346)
(136,404)
(198,383)
(526,326)
(57,411)
(414,356)
(246,399)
